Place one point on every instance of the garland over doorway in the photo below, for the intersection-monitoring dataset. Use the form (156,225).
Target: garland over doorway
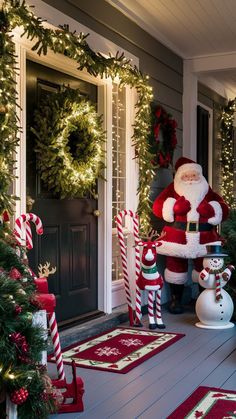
(15,13)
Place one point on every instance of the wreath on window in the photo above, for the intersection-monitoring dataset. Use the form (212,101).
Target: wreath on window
(69,143)
(163,138)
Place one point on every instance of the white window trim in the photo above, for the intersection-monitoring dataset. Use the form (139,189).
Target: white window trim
(210,140)
(98,43)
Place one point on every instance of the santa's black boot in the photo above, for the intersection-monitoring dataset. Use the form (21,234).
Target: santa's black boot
(176,291)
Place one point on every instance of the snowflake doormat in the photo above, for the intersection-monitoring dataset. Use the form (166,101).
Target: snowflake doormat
(118,350)
(207,403)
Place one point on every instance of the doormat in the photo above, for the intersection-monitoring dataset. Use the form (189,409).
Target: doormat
(207,403)
(118,350)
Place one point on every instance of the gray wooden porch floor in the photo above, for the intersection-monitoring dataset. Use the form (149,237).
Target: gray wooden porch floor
(156,387)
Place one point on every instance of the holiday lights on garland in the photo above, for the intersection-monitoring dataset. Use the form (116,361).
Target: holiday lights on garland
(69,139)
(15,13)
(227,154)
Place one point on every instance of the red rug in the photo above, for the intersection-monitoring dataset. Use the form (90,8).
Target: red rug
(207,403)
(118,350)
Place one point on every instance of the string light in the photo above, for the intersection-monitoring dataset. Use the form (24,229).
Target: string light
(227,154)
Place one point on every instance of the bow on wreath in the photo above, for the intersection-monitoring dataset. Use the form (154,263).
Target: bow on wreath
(163,150)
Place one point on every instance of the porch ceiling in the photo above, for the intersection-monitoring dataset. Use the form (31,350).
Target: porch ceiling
(196,28)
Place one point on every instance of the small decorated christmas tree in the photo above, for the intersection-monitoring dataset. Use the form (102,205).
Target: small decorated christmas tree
(229,234)
(22,377)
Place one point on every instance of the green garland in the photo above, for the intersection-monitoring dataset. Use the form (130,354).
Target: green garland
(227,153)
(15,13)
(69,143)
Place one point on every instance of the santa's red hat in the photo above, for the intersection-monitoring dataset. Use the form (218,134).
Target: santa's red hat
(184,164)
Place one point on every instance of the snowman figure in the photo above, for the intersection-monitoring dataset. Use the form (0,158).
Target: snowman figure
(214,306)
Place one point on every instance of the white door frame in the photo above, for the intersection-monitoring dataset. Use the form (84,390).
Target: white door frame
(210,140)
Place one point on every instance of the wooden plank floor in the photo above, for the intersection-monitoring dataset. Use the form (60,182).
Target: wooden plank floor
(156,387)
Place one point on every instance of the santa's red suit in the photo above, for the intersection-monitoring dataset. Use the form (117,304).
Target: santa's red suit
(192,211)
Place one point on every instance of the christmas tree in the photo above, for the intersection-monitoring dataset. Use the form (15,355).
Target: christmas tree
(229,234)
(22,377)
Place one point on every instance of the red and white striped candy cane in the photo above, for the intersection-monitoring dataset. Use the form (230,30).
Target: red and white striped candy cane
(218,288)
(158,308)
(123,249)
(56,345)
(151,299)
(23,231)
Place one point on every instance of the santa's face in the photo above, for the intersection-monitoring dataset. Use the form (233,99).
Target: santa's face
(191,184)
(190,177)
(213,263)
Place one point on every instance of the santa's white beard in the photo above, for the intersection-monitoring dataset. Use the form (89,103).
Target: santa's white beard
(194,192)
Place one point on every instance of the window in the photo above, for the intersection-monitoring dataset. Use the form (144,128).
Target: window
(118,170)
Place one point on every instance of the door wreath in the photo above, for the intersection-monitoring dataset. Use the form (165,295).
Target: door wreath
(164,126)
(69,140)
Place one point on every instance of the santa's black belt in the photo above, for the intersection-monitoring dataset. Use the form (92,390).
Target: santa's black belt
(192,226)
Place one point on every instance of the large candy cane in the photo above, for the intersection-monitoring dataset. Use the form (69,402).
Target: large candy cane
(23,231)
(56,345)
(123,250)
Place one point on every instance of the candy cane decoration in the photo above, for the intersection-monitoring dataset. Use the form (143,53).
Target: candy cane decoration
(151,299)
(123,250)
(23,231)
(158,309)
(56,345)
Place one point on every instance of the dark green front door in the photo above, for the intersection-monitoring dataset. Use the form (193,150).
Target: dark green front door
(69,241)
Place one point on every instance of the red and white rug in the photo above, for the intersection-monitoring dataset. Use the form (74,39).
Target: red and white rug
(118,350)
(207,403)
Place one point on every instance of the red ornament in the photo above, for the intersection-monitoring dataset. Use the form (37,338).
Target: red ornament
(17,310)
(17,338)
(19,396)
(158,112)
(24,359)
(156,130)
(24,348)
(5,216)
(14,274)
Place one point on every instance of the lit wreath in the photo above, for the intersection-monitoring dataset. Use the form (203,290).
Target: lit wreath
(69,143)
(163,123)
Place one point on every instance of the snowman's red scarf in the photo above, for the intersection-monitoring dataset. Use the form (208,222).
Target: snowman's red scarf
(217,273)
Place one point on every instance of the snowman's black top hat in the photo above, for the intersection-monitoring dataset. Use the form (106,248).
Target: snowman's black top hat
(214,250)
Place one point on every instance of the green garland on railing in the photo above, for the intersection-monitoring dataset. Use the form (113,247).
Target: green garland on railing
(15,13)
(227,153)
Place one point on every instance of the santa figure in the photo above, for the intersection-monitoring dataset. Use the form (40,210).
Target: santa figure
(192,211)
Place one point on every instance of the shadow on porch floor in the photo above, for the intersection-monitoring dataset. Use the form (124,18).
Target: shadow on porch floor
(156,387)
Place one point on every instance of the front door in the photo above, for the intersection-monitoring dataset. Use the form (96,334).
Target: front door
(69,241)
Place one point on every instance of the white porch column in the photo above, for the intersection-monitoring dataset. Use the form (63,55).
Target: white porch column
(189,112)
